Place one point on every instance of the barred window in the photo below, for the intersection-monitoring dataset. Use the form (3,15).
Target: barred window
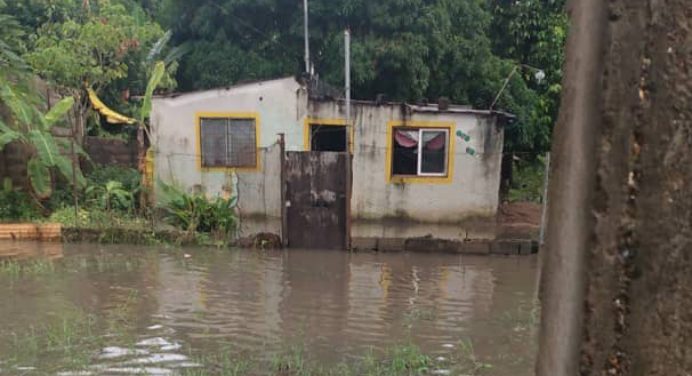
(228,142)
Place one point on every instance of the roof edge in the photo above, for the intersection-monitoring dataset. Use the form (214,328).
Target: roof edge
(237,85)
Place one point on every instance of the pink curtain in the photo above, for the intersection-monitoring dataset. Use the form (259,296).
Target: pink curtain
(436,143)
(407,139)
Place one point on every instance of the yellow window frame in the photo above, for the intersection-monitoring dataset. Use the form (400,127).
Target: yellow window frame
(226,115)
(394,179)
(328,123)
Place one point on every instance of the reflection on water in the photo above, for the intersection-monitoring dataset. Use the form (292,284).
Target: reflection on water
(335,303)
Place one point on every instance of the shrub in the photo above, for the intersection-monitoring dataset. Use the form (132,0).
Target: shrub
(110,196)
(196,213)
(16,205)
(528,181)
(128,177)
(98,180)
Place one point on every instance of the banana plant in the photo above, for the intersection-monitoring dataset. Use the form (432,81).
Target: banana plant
(154,81)
(110,196)
(27,125)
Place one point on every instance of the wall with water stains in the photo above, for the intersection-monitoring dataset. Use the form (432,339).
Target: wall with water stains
(279,107)
(469,193)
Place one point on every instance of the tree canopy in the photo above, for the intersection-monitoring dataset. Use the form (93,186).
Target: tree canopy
(409,50)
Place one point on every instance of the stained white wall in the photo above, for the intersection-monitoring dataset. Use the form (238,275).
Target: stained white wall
(474,187)
(282,107)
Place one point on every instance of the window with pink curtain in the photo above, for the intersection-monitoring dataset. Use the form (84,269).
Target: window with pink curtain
(420,151)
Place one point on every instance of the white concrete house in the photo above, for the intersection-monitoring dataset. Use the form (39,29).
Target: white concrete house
(417,170)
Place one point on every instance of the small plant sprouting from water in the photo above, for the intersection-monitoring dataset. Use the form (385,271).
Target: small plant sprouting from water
(17,269)
(403,360)
(467,361)
(69,338)
(418,314)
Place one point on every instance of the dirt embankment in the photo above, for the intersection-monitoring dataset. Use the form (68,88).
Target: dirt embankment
(519,220)
(638,308)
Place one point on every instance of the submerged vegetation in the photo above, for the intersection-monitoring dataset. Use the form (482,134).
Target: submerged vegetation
(16,269)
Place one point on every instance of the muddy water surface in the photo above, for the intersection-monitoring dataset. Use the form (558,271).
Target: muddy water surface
(159,311)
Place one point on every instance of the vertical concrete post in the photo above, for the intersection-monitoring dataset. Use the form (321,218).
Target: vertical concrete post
(544,209)
(306,31)
(572,179)
(282,178)
(349,141)
(617,288)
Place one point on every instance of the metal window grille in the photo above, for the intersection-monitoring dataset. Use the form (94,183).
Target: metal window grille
(228,142)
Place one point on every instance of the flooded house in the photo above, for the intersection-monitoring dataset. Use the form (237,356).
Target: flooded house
(417,172)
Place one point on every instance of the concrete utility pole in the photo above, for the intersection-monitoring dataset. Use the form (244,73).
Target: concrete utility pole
(349,141)
(570,192)
(616,283)
(308,69)
(347,76)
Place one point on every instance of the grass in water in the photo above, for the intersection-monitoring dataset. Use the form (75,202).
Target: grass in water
(16,269)
(66,340)
(398,361)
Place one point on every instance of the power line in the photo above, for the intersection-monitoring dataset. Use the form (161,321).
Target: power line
(259,32)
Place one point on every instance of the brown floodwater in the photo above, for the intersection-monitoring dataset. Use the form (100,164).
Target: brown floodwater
(336,305)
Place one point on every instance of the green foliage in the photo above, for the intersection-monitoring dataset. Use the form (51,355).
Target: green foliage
(533,33)
(15,205)
(154,81)
(93,48)
(39,176)
(129,177)
(68,218)
(17,269)
(30,127)
(23,120)
(101,180)
(528,181)
(110,196)
(407,49)
(107,46)
(196,213)
(98,219)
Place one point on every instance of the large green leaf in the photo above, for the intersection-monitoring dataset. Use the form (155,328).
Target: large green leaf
(7,135)
(45,146)
(39,176)
(66,144)
(156,49)
(17,103)
(64,165)
(57,112)
(154,81)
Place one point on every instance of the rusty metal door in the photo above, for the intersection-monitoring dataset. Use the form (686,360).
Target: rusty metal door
(316,199)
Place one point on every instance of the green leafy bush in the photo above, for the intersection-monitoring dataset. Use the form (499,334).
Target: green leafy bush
(528,181)
(121,179)
(128,177)
(16,205)
(98,219)
(67,217)
(110,196)
(196,213)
